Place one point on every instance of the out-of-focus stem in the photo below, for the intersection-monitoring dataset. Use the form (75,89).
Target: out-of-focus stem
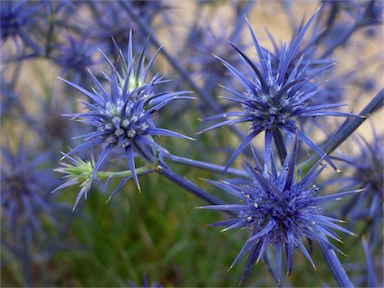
(345,130)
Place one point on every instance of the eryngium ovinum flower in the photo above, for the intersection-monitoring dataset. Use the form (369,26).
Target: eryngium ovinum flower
(27,206)
(280,212)
(368,167)
(17,19)
(122,117)
(274,99)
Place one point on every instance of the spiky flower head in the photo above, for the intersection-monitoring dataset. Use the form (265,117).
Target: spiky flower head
(274,99)
(280,212)
(76,55)
(122,118)
(27,206)
(17,18)
(368,168)
(111,20)
(204,41)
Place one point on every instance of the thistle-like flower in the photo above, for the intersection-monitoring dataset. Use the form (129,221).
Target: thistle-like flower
(23,197)
(368,169)
(17,18)
(110,20)
(27,207)
(123,117)
(281,212)
(76,56)
(274,99)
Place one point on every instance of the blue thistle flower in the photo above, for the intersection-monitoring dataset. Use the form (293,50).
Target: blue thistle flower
(76,56)
(21,187)
(367,172)
(274,99)
(122,118)
(281,212)
(110,21)
(27,206)
(204,41)
(17,17)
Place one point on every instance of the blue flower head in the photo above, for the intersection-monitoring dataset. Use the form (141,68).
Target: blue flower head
(275,96)
(111,20)
(26,202)
(17,17)
(280,212)
(368,169)
(204,41)
(76,55)
(122,118)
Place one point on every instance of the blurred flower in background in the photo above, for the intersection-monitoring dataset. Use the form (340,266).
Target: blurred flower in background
(75,57)
(367,166)
(29,214)
(18,20)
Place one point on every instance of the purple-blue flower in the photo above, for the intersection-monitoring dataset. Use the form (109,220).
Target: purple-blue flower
(76,55)
(17,18)
(122,117)
(367,167)
(275,98)
(23,196)
(281,211)
(30,216)
(203,42)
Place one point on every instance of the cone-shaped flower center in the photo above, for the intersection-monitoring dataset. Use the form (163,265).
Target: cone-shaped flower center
(122,124)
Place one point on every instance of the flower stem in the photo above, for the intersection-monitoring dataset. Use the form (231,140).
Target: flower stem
(345,130)
(204,165)
(187,185)
(104,175)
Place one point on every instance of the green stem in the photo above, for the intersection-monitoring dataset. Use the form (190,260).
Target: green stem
(104,175)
